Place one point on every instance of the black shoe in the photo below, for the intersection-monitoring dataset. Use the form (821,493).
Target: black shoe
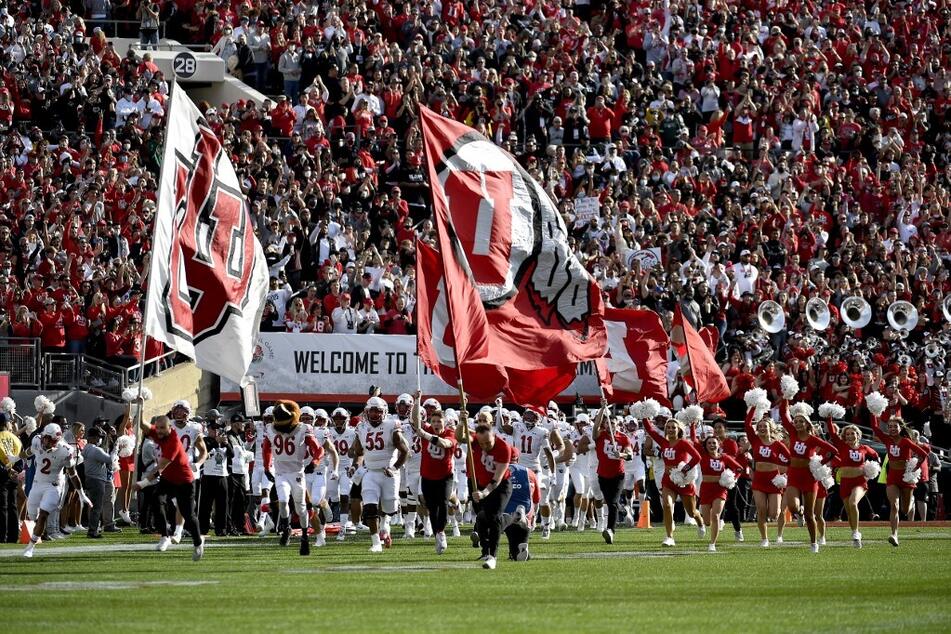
(304,546)
(112,529)
(285,533)
(474,536)
(94,535)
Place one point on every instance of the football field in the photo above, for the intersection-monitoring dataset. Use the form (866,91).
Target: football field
(573,583)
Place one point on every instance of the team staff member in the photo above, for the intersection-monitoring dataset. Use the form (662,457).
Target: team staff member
(520,510)
(10,448)
(613,448)
(491,456)
(214,480)
(177,481)
(436,468)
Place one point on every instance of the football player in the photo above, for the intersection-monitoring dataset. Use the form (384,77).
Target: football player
(260,484)
(318,476)
(343,437)
(635,473)
(193,442)
(381,444)
(293,446)
(533,442)
(580,473)
(410,480)
(53,457)
(459,501)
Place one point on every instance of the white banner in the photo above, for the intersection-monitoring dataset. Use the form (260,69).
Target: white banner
(333,368)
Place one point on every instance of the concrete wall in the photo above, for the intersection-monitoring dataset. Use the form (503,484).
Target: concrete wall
(228,90)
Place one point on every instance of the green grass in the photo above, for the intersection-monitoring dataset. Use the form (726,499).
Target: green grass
(574,583)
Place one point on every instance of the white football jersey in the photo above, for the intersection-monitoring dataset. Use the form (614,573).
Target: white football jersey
(379,451)
(260,431)
(460,459)
(415,444)
(343,441)
(581,459)
(530,444)
(189,434)
(51,463)
(289,450)
(323,435)
(637,448)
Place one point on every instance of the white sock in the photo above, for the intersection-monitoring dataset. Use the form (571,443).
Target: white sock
(427,526)
(386,523)
(375,539)
(344,518)
(179,528)
(323,531)
(410,521)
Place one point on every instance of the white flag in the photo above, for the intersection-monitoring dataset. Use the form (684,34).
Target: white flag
(208,277)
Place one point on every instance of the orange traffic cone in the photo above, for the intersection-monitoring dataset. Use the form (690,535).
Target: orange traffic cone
(644,514)
(26,531)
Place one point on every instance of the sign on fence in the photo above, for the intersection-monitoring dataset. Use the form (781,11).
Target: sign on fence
(318,368)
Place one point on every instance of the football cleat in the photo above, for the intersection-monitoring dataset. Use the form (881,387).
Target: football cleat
(304,546)
(739,535)
(199,550)
(522,553)
(608,536)
(668,542)
(163,544)
(489,563)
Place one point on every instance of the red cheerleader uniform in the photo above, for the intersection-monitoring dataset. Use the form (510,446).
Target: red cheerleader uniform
(774,453)
(799,474)
(673,454)
(712,468)
(850,462)
(899,451)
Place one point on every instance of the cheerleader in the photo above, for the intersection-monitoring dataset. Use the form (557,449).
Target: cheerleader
(819,509)
(719,471)
(771,457)
(903,456)
(857,464)
(805,465)
(679,455)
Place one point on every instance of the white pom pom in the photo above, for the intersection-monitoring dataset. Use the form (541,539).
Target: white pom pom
(822,473)
(146,394)
(663,412)
(8,406)
(728,479)
(789,387)
(828,482)
(678,477)
(876,403)
(755,397)
(800,409)
(647,408)
(681,417)
(780,480)
(912,472)
(871,469)
(125,445)
(29,424)
(831,410)
(44,405)
(128,394)
(693,414)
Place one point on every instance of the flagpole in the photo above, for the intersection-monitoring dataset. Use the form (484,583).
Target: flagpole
(140,417)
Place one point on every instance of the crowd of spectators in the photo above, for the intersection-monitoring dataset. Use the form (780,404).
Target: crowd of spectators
(769,150)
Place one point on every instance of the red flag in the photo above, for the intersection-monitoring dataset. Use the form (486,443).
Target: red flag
(711,337)
(504,234)
(637,354)
(483,380)
(700,368)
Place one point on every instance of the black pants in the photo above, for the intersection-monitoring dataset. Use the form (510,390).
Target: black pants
(516,535)
(611,490)
(9,522)
(183,494)
(238,501)
(436,494)
(736,503)
(488,522)
(214,492)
